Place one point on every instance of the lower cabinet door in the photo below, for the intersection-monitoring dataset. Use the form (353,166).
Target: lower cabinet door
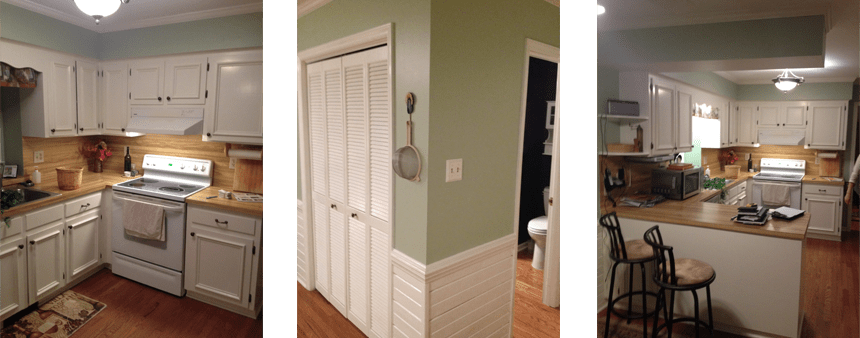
(823,213)
(218,265)
(46,261)
(83,243)
(13,278)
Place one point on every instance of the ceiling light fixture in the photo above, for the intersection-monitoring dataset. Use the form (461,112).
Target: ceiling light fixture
(787,81)
(600,10)
(99,9)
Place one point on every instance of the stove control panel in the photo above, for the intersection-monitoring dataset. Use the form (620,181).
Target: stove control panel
(777,163)
(187,166)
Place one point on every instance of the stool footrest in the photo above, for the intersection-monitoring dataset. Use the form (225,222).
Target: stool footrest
(611,306)
(684,319)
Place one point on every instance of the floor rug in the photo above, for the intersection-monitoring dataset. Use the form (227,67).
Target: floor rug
(58,318)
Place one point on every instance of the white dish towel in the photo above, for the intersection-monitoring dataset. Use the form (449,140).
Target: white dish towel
(776,194)
(143,220)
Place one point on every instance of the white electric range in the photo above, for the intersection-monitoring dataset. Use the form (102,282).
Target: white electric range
(166,182)
(780,175)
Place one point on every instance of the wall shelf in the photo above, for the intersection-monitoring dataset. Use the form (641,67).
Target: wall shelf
(622,117)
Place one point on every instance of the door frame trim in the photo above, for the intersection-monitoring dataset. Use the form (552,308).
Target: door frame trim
(550,53)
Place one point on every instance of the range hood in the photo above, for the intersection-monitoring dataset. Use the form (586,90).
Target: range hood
(781,137)
(167,121)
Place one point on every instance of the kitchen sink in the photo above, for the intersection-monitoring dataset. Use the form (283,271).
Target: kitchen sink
(32,195)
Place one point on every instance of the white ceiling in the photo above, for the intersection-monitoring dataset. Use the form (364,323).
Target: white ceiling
(141,13)
(842,45)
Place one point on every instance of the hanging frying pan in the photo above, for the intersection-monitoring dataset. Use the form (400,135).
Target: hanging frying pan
(406,161)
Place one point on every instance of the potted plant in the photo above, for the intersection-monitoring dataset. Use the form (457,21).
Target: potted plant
(96,155)
(716,184)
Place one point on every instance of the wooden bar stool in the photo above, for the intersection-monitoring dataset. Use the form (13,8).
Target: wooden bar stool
(631,253)
(683,274)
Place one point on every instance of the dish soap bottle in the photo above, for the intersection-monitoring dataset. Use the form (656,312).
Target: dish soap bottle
(707,173)
(127,165)
(36,176)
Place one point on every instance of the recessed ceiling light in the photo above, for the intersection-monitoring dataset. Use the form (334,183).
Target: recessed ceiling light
(600,10)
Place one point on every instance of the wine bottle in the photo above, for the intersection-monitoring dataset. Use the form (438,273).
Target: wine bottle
(127,165)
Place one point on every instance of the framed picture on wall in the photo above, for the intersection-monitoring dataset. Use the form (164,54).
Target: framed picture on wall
(10,171)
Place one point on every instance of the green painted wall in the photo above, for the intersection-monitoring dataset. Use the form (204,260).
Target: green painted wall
(753,39)
(707,81)
(238,31)
(477,55)
(607,88)
(411,32)
(22,25)
(806,91)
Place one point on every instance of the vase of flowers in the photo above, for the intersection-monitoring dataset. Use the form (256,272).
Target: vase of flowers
(728,157)
(96,155)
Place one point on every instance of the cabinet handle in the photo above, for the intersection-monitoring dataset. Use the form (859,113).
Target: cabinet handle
(168,99)
(159,99)
(85,206)
(822,190)
(192,234)
(217,222)
(82,129)
(334,207)
(20,246)
(354,215)
(32,242)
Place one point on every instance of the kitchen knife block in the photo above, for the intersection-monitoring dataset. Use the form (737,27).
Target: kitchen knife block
(248,176)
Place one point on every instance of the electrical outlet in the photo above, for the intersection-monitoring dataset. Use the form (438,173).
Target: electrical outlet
(39,156)
(454,170)
(232,163)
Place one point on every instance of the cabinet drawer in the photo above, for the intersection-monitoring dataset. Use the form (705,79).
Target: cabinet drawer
(833,190)
(44,216)
(222,220)
(15,226)
(82,204)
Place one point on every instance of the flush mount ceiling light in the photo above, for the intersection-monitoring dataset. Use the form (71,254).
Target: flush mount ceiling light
(787,81)
(99,9)
(600,10)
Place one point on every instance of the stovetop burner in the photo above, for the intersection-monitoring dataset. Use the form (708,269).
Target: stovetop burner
(171,178)
(147,180)
(136,185)
(172,189)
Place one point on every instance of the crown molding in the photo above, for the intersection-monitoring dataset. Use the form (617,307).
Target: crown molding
(108,26)
(307,6)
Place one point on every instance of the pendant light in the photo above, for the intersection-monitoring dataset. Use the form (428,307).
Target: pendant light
(99,9)
(787,81)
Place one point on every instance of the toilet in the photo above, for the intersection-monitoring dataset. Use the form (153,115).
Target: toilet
(537,230)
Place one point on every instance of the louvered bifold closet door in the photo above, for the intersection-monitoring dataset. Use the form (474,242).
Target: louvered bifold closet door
(350,130)
(368,116)
(318,137)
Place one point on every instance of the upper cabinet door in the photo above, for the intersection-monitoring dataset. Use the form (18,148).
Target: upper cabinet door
(234,113)
(746,134)
(88,98)
(663,118)
(769,115)
(114,91)
(62,102)
(685,121)
(185,80)
(827,124)
(795,115)
(145,82)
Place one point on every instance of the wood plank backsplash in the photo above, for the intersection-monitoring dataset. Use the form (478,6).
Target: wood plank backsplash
(64,152)
(769,151)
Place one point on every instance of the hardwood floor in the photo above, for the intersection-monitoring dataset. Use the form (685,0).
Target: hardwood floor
(831,292)
(136,310)
(316,317)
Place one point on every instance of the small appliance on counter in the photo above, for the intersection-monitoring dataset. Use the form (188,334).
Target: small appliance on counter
(676,184)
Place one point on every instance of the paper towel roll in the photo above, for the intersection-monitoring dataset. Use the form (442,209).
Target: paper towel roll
(245,154)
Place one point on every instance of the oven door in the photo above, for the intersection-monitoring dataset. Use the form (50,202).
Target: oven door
(793,187)
(170,253)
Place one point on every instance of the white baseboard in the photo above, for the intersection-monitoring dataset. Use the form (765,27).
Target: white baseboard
(525,245)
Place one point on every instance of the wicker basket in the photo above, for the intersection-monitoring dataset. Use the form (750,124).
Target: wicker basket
(69,178)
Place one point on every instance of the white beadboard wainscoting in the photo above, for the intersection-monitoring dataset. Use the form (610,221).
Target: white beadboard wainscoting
(301,248)
(466,295)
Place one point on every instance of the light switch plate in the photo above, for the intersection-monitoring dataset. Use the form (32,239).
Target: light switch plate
(39,156)
(454,170)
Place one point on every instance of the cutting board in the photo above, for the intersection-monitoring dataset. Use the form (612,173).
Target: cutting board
(248,176)
(680,166)
(829,167)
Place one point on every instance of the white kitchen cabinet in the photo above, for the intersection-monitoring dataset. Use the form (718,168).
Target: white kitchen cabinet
(13,268)
(235,112)
(664,117)
(826,125)
(168,81)
(114,97)
(824,205)
(744,124)
(82,243)
(61,110)
(46,260)
(684,143)
(781,114)
(223,259)
(725,118)
(89,117)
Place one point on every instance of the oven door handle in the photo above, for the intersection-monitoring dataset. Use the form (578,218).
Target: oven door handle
(168,208)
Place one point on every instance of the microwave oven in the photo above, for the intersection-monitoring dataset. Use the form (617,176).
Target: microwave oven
(676,184)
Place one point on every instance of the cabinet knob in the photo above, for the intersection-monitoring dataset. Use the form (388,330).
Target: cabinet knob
(168,99)
(53,130)
(123,129)
(208,135)
(334,206)
(159,99)
(354,215)
(70,227)
(20,246)
(32,242)
(82,129)
(192,234)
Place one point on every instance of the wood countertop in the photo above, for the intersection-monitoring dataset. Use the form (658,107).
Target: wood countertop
(695,212)
(93,182)
(232,204)
(821,180)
